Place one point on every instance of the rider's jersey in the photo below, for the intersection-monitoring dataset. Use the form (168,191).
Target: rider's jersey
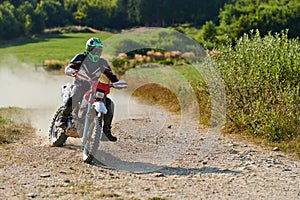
(93,69)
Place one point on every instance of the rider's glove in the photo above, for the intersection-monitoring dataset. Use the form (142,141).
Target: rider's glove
(70,71)
(120,84)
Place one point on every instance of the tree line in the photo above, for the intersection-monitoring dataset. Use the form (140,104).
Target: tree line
(241,16)
(18,17)
(216,17)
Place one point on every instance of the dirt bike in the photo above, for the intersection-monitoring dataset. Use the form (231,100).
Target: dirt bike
(87,117)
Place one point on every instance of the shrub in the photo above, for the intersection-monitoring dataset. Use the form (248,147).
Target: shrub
(262,83)
(129,60)
(51,65)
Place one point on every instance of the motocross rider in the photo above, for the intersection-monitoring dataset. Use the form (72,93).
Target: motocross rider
(91,62)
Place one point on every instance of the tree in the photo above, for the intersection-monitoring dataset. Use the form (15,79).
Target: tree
(95,13)
(16,3)
(265,15)
(55,14)
(119,16)
(133,11)
(10,27)
(25,12)
(209,31)
(38,20)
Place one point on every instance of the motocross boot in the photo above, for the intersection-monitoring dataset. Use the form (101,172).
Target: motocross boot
(63,119)
(107,136)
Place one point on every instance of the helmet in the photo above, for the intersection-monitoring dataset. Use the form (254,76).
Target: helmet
(94,49)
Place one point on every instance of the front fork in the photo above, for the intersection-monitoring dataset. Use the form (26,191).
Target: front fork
(100,108)
(87,121)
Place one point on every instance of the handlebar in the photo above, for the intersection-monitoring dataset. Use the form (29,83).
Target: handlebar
(121,84)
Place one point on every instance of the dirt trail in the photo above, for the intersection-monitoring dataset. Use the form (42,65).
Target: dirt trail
(232,170)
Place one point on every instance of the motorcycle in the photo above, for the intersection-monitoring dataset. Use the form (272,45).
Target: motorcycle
(86,119)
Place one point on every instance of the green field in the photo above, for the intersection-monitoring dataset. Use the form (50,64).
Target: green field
(49,47)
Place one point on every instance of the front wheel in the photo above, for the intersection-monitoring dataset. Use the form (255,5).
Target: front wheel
(57,135)
(93,140)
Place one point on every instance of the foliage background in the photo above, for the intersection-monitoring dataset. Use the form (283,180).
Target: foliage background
(215,18)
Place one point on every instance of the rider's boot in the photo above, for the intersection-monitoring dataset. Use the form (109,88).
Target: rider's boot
(107,122)
(107,136)
(63,119)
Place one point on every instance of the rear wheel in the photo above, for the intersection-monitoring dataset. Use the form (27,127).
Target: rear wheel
(57,135)
(93,140)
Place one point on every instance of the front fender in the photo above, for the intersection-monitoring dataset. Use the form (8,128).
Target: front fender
(100,107)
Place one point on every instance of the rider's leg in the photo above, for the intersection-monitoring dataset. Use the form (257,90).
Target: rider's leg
(66,113)
(108,117)
(68,108)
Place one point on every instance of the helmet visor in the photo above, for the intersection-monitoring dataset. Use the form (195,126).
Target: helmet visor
(94,54)
(95,51)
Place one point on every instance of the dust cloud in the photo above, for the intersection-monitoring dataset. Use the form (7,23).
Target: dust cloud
(33,89)
(39,93)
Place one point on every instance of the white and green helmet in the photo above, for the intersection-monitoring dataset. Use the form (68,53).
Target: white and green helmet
(94,49)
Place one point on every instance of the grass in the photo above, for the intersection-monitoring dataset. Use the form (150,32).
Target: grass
(291,147)
(200,88)
(11,131)
(47,47)
(156,94)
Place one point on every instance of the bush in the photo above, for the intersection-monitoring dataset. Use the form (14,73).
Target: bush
(132,59)
(262,84)
(52,65)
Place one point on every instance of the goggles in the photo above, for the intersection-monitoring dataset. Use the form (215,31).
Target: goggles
(95,51)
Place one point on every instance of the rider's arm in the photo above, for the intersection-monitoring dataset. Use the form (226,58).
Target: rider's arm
(110,75)
(74,65)
(107,71)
